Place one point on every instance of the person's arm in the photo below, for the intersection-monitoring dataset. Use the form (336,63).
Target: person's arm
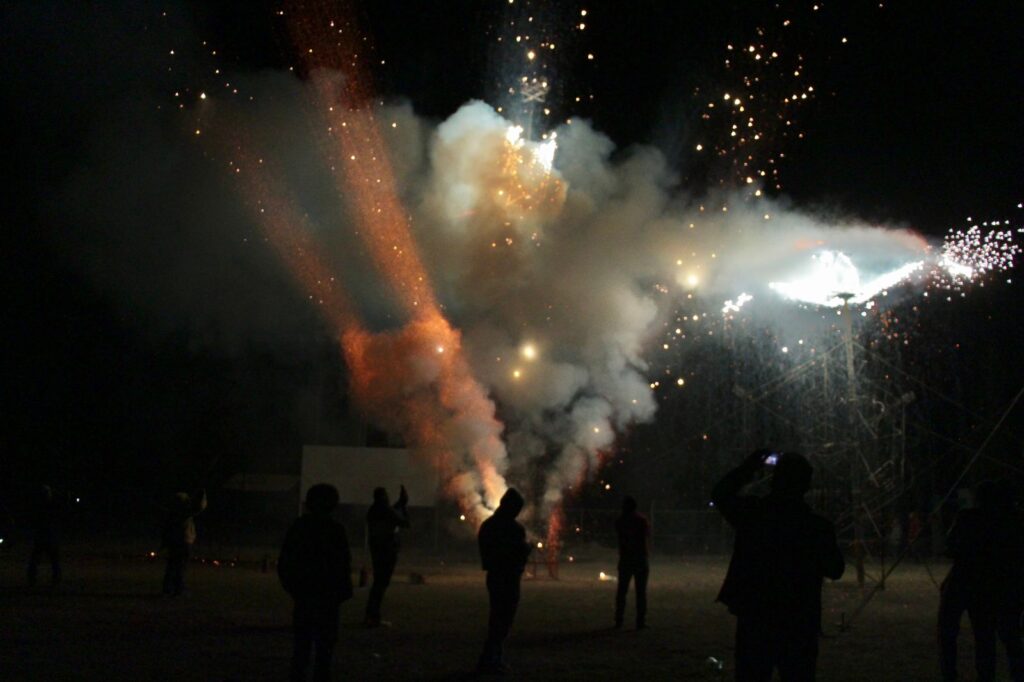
(726,493)
(400,511)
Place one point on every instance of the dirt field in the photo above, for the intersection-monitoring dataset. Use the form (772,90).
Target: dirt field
(107,622)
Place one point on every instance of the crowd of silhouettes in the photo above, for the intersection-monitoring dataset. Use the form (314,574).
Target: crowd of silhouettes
(782,553)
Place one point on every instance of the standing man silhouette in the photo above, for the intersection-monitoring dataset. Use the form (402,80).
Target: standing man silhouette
(782,552)
(503,554)
(315,568)
(382,523)
(634,533)
(179,534)
(987,581)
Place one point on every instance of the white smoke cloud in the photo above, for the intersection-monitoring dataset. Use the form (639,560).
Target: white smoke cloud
(583,264)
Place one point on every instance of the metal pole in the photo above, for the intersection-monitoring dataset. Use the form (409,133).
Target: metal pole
(852,442)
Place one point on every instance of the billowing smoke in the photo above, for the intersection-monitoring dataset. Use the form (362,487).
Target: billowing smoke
(554,263)
(414,382)
(559,276)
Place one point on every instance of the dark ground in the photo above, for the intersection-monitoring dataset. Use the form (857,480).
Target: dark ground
(107,622)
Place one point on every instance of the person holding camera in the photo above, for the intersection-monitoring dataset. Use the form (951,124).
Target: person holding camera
(782,552)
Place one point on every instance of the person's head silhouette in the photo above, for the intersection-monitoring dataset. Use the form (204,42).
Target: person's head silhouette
(511,503)
(380,496)
(791,476)
(321,498)
(628,505)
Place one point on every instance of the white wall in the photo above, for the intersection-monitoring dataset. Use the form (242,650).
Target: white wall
(356,471)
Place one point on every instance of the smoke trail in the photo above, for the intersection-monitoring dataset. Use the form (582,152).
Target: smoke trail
(413,380)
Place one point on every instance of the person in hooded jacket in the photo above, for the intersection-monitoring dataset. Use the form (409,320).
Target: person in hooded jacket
(315,568)
(782,552)
(503,554)
(382,524)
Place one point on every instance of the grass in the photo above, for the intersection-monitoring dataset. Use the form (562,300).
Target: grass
(107,622)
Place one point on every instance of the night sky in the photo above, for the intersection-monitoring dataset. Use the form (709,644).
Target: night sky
(119,373)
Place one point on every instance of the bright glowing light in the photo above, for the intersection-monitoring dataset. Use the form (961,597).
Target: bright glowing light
(529,351)
(462,517)
(832,273)
(692,279)
(544,153)
(734,306)
(516,374)
(514,135)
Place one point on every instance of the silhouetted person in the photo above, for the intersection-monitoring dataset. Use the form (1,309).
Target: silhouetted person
(45,522)
(382,523)
(315,569)
(503,554)
(179,534)
(986,580)
(634,533)
(773,586)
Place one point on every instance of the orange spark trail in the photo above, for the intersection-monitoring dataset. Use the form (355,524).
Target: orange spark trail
(413,381)
(287,230)
(366,180)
